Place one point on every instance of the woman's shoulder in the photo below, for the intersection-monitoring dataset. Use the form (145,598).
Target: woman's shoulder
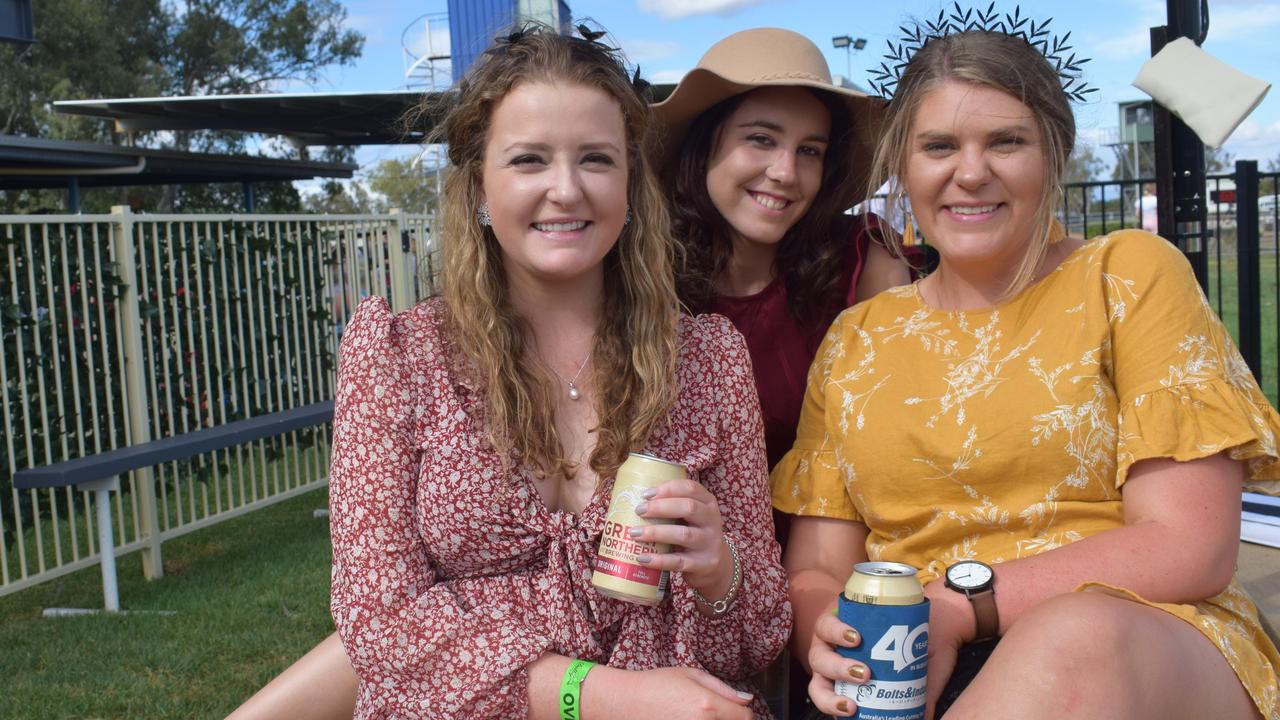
(865,224)
(1134,246)
(856,233)
(710,350)
(412,336)
(892,302)
(707,332)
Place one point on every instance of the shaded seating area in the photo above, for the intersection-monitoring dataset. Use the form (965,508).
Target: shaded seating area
(35,163)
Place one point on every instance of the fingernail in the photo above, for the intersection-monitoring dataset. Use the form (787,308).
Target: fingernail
(843,706)
(858,672)
(745,695)
(641,508)
(648,493)
(635,532)
(852,637)
(644,559)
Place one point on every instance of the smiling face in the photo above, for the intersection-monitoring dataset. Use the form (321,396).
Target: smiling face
(555,178)
(975,173)
(766,165)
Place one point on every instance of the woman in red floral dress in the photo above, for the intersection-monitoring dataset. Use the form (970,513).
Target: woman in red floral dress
(476,436)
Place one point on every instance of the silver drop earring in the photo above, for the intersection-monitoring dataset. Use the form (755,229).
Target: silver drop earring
(483,216)
(626,219)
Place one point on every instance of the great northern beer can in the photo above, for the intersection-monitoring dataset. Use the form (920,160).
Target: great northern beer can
(885,602)
(618,572)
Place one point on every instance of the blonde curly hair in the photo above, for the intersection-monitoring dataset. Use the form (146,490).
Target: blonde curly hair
(635,343)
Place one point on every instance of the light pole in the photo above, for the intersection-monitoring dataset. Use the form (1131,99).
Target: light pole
(849,44)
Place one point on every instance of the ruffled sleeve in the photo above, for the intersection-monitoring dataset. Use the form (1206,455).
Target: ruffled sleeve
(1183,388)
(751,634)
(809,480)
(420,647)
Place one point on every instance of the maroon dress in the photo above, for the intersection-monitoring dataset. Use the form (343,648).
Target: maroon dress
(781,351)
(781,348)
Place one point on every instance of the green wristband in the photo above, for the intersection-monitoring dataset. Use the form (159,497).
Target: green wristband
(571,689)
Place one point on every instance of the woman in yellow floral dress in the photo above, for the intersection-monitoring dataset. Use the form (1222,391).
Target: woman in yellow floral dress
(1071,414)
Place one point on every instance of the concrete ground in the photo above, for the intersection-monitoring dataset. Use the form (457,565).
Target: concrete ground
(1258,567)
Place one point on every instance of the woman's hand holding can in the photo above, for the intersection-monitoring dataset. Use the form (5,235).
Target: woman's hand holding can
(829,667)
(698,545)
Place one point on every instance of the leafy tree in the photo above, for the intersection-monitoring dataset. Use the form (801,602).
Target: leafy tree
(340,199)
(240,46)
(1267,185)
(219,47)
(83,49)
(1146,162)
(1083,165)
(141,48)
(1217,160)
(405,184)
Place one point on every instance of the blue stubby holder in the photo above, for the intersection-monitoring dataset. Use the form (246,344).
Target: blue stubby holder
(895,646)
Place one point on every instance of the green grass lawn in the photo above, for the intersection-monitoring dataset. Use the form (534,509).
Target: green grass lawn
(1224,297)
(251,595)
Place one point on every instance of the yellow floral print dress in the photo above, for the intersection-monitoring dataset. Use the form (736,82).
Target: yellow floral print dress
(1003,433)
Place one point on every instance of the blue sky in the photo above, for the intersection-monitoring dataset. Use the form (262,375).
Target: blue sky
(666,37)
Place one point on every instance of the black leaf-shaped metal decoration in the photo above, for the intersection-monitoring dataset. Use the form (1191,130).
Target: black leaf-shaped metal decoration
(915,37)
(963,18)
(990,17)
(590,35)
(641,86)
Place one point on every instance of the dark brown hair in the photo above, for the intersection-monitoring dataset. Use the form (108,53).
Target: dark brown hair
(809,258)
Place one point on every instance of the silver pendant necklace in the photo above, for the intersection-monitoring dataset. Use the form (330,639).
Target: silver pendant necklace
(574,393)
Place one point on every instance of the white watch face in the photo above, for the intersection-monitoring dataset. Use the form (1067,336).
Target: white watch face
(969,575)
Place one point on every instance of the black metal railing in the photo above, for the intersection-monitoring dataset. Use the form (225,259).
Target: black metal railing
(1242,234)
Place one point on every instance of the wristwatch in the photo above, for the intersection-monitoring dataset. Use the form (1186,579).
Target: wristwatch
(978,582)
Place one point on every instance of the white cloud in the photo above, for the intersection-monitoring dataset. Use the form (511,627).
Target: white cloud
(1242,20)
(1253,141)
(372,26)
(675,9)
(1238,19)
(639,51)
(1133,44)
(666,76)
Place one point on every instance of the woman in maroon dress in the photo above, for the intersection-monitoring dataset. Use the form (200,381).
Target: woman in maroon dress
(763,157)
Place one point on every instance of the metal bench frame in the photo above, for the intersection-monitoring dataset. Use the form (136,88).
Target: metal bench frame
(100,472)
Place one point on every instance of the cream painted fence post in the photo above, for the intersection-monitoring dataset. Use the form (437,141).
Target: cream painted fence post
(135,385)
(403,294)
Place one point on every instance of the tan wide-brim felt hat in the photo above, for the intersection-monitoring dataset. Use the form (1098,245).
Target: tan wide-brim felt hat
(764,57)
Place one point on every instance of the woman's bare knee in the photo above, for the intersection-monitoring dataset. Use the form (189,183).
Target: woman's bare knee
(321,684)
(1099,656)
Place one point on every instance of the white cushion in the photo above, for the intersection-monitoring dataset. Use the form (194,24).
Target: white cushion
(1210,96)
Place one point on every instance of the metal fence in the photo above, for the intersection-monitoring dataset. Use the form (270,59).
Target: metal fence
(1239,264)
(119,328)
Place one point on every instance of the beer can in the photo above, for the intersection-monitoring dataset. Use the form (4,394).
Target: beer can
(885,602)
(618,572)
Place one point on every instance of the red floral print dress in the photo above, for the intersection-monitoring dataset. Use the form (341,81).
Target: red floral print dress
(450,576)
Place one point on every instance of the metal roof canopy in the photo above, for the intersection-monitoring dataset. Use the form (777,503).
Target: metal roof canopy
(29,163)
(372,118)
(305,118)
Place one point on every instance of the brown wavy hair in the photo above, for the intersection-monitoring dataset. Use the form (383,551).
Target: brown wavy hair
(635,345)
(810,255)
(1002,62)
